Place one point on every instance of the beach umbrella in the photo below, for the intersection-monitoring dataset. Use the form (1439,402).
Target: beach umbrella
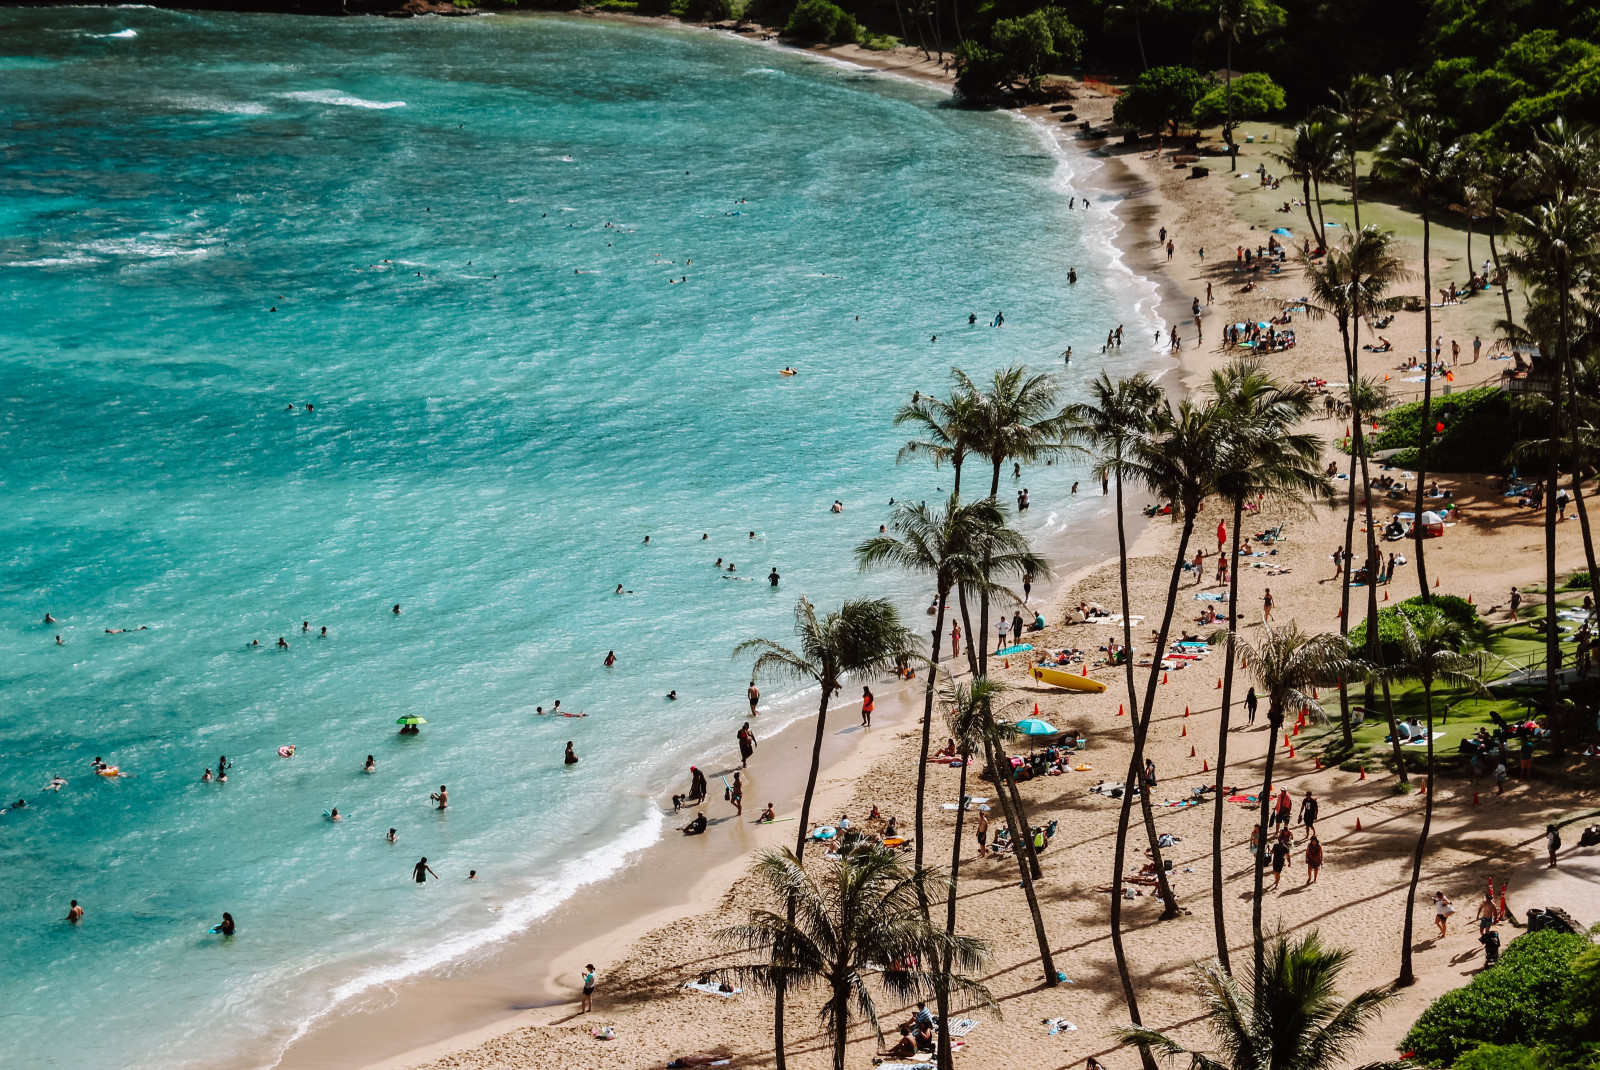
(411,720)
(1032,726)
(1284,231)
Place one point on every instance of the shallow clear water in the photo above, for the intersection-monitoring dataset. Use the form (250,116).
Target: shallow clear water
(509,395)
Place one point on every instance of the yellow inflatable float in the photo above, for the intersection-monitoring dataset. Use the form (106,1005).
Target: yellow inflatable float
(1071,681)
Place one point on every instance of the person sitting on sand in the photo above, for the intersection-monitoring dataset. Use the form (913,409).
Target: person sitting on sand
(695,827)
(767,815)
(905,1047)
(948,750)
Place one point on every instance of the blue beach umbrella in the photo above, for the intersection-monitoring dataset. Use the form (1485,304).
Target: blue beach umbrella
(1284,231)
(1032,726)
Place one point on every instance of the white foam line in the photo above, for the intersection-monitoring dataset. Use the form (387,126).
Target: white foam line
(515,916)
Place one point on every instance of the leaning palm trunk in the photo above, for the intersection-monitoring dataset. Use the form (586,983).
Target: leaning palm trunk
(1219,923)
(942,993)
(927,721)
(1552,634)
(1505,281)
(1374,645)
(1274,722)
(1305,183)
(992,754)
(1426,436)
(1406,976)
(1344,577)
(1118,862)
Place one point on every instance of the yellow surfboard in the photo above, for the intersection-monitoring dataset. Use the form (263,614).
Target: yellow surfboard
(1069,680)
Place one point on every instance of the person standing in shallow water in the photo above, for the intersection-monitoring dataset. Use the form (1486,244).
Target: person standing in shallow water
(747,745)
(866,707)
(571,756)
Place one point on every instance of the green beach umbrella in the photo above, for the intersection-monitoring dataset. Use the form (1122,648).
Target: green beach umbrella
(411,720)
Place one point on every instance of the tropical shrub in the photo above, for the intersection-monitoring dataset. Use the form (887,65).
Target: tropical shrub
(1159,97)
(1255,96)
(822,22)
(1498,1057)
(1455,607)
(1516,1001)
(1479,431)
(1018,54)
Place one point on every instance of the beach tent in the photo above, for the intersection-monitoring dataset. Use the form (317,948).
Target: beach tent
(1282,232)
(1432,524)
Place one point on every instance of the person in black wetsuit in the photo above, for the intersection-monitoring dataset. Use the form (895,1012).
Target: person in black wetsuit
(695,827)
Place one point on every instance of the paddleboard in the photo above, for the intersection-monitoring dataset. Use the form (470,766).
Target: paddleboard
(1069,680)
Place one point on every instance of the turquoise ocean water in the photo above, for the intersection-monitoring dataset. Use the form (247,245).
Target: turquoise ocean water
(467,228)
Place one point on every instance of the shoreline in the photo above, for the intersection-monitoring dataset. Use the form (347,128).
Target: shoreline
(530,979)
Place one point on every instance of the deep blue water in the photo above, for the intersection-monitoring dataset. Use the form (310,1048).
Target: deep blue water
(468,229)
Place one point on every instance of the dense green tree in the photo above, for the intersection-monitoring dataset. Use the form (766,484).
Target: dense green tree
(1160,97)
(1253,96)
(1019,52)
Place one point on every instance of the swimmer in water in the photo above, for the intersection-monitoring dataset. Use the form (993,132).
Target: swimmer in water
(56,784)
(205,778)
(283,644)
(225,927)
(60,641)
(392,836)
(334,815)
(442,797)
(647,540)
(74,913)
(472,874)
(48,619)
(972,319)
(324,631)
(838,506)
(396,609)
(773,577)
(421,870)
(572,755)
(305,626)
(611,655)
(788,371)
(672,695)
(371,766)
(618,590)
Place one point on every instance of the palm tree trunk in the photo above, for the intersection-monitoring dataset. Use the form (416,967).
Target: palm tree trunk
(1227,129)
(1427,406)
(1305,183)
(942,993)
(1505,281)
(1012,825)
(1344,577)
(811,779)
(1028,853)
(838,1023)
(927,723)
(1321,225)
(1576,463)
(1552,634)
(1138,35)
(1406,976)
(1274,722)
(1141,725)
(900,15)
(1374,646)
(955,17)
(1118,861)
(1469,239)
(1394,734)
(1218,923)
(966,619)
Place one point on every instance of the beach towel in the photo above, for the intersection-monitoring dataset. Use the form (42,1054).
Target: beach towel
(1211,596)
(710,988)
(1247,799)
(906,1066)
(1421,741)
(1060,1025)
(962,1026)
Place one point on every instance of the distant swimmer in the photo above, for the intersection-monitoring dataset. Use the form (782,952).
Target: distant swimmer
(752,534)
(717,564)
(119,631)
(60,641)
(48,619)
(972,319)
(788,371)
(371,765)
(1067,356)
(1072,276)
(421,871)
(396,609)
(283,644)
(324,631)
(704,536)
(225,927)
(611,655)
(56,784)
(74,913)
(392,836)
(773,577)
(753,693)
(572,755)
(442,797)
(647,540)
(618,590)
(472,874)
(305,626)
(999,320)
(333,815)
(205,778)
(838,506)
(672,695)
(935,338)
(731,566)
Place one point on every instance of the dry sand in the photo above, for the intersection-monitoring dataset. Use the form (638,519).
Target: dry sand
(1358,901)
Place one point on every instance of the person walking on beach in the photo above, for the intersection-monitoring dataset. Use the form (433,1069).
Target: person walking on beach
(1442,909)
(587,1003)
(736,793)
(1222,535)
(866,707)
(1266,607)
(1552,843)
(1016,627)
(1283,811)
(1308,813)
(1313,858)
(697,784)
(1280,858)
(1251,701)
(955,640)
(747,745)
(753,693)
(1516,602)
(983,834)
(1000,628)
(421,870)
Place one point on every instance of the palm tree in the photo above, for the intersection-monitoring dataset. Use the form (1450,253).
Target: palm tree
(1357,104)
(1134,9)
(1115,417)
(1287,665)
(864,911)
(948,544)
(946,427)
(1429,653)
(1016,417)
(1237,19)
(1351,283)
(1557,239)
(1268,457)
(862,638)
(1287,1018)
(1416,155)
(1313,155)
(970,715)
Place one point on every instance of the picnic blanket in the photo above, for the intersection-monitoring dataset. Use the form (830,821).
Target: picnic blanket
(906,1066)
(1211,596)
(711,989)
(1251,799)
(962,1026)
(1421,741)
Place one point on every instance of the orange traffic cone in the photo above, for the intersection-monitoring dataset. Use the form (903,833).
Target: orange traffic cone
(1422,788)
(1186,711)
(1163,677)
(1319,763)
(1338,613)
(1286,739)
(1219,684)
(1191,752)
(1120,711)
(1297,728)
(1358,824)
(1008,663)
(1244,663)
(1474,798)
(1205,766)
(1436,581)
(1036,709)
(1185,732)
(1291,752)
(1315,693)
(1469,600)
(1363,775)
(1385,596)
